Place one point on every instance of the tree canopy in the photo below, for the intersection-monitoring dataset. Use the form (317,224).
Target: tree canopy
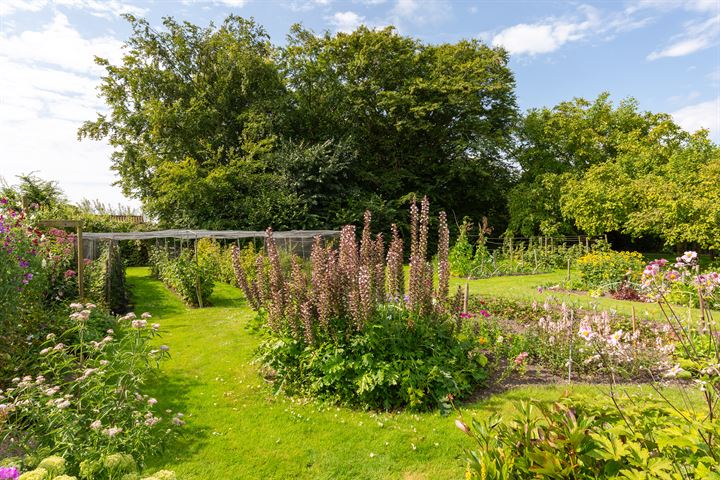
(216,127)
(580,160)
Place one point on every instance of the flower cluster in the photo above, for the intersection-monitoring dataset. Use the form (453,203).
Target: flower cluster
(679,282)
(347,284)
(85,399)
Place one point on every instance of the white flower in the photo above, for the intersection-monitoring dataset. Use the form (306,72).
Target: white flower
(146,315)
(90,305)
(673,372)
(499,339)
(151,401)
(156,326)
(689,256)
(96,425)
(112,431)
(76,306)
(63,404)
(139,324)
(462,426)
(586,332)
(614,339)
(164,348)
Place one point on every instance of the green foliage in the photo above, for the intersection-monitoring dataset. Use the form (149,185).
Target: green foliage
(107,467)
(668,190)
(599,168)
(192,280)
(32,192)
(461,254)
(388,365)
(83,399)
(215,127)
(609,270)
(582,439)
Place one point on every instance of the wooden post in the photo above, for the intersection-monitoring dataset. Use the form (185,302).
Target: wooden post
(568,270)
(81,262)
(197,276)
(465,297)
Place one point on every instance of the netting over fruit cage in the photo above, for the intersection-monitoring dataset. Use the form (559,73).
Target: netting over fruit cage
(298,242)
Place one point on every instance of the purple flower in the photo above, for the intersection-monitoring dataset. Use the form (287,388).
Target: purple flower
(485,313)
(3,201)
(9,473)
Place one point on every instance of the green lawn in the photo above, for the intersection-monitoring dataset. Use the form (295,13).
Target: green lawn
(524,287)
(237,428)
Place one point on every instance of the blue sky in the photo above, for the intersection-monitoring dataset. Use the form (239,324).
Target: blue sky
(665,53)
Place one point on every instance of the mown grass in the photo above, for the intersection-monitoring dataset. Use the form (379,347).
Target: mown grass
(525,287)
(238,429)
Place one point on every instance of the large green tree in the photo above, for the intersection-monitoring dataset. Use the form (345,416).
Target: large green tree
(431,119)
(666,190)
(216,127)
(558,144)
(193,114)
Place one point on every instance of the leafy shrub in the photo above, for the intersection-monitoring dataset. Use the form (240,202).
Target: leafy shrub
(461,254)
(345,330)
(105,279)
(84,401)
(609,270)
(580,439)
(218,260)
(389,364)
(191,280)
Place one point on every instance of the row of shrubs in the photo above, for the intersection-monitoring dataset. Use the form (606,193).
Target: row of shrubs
(191,279)
(535,255)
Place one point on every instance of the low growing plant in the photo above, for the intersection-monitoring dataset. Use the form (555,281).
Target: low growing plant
(85,401)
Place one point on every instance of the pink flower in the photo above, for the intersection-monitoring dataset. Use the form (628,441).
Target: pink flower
(520,359)
(462,426)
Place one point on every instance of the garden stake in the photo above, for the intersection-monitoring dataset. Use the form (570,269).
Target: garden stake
(568,271)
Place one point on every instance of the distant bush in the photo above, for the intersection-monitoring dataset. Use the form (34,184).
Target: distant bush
(609,270)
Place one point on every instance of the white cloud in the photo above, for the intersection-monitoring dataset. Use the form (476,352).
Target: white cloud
(230,3)
(61,45)
(345,21)
(697,36)
(546,36)
(419,12)
(701,115)
(47,89)
(8,7)
(667,5)
(100,8)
